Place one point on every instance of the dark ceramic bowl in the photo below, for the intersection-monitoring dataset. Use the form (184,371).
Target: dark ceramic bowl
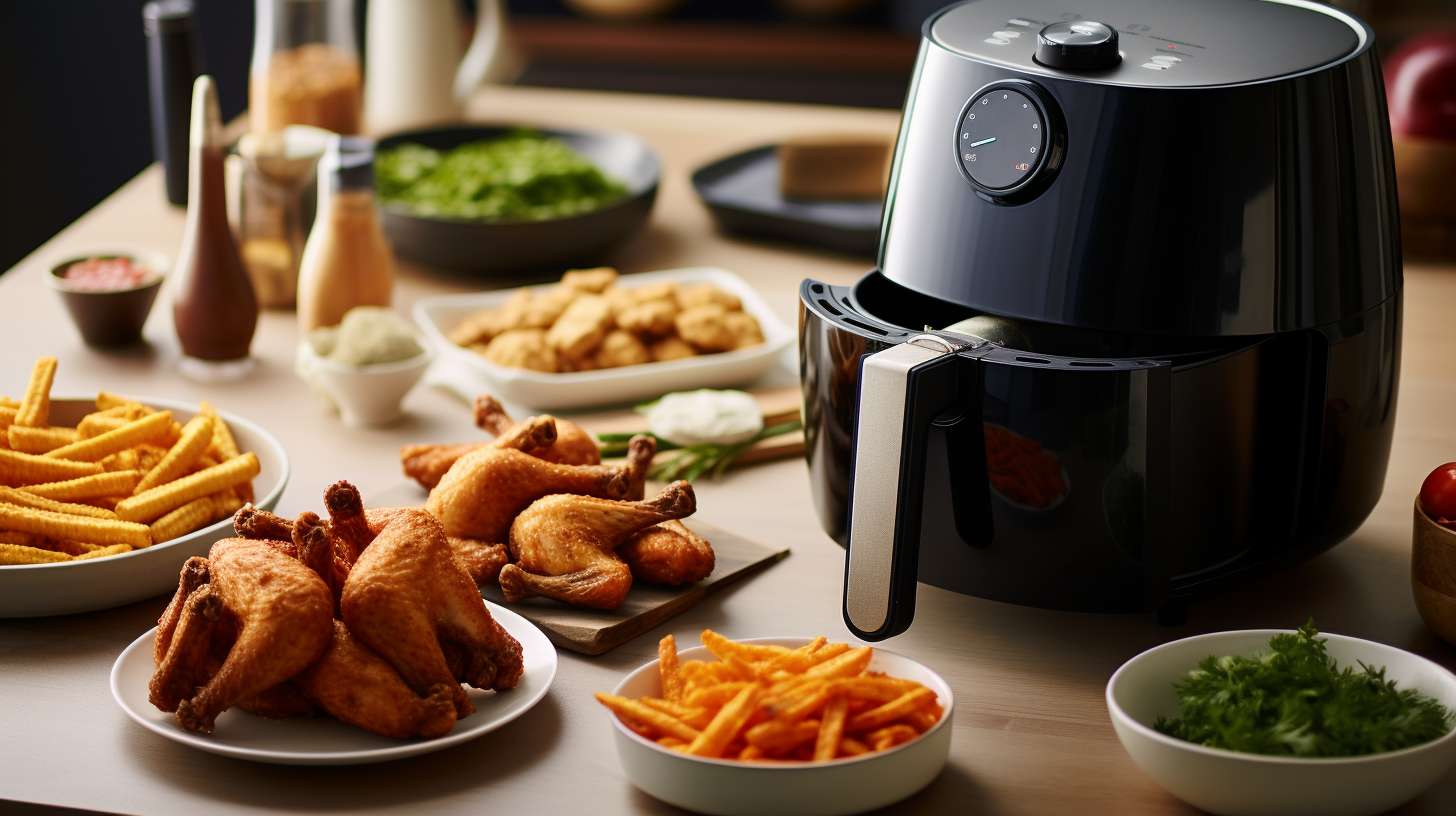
(108,318)
(502,248)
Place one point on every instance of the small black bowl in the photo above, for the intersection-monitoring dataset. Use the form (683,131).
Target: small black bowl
(108,318)
(484,247)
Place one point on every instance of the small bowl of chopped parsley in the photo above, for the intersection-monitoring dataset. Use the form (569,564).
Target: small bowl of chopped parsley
(503,200)
(1276,722)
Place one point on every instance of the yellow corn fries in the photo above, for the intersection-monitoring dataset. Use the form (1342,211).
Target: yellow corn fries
(35,407)
(39,440)
(194,515)
(77,528)
(24,498)
(95,486)
(196,436)
(158,501)
(114,549)
(149,428)
(13,554)
(18,468)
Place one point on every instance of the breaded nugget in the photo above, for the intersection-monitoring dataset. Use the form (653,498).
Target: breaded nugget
(671,348)
(745,328)
(620,348)
(592,281)
(485,324)
(581,327)
(707,294)
(544,309)
(662,290)
(522,348)
(706,329)
(651,319)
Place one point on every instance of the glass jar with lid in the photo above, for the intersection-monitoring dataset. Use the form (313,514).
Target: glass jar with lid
(305,68)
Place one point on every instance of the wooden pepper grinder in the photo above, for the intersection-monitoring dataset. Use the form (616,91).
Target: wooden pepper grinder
(213,307)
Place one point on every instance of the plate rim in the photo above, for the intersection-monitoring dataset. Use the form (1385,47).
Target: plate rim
(268,500)
(403,750)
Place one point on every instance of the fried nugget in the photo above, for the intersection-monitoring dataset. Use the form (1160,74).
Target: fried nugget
(620,348)
(592,281)
(745,328)
(484,325)
(706,329)
(690,297)
(581,327)
(522,348)
(662,290)
(671,348)
(651,319)
(542,310)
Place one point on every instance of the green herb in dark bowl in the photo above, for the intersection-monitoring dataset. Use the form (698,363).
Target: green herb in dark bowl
(1295,700)
(522,176)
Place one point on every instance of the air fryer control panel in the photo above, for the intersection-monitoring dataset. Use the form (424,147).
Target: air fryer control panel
(1003,137)
(1156,43)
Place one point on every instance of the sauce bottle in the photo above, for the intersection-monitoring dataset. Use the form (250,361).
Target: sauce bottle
(213,308)
(346,261)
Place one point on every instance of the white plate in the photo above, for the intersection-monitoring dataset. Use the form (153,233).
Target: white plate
(729,788)
(35,590)
(1230,782)
(535,389)
(325,741)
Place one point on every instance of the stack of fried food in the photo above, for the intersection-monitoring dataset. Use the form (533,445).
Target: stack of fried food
(124,477)
(588,322)
(537,511)
(760,702)
(365,617)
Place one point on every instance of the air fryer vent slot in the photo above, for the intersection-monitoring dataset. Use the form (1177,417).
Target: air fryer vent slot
(867,327)
(830,308)
(1033,360)
(1087,364)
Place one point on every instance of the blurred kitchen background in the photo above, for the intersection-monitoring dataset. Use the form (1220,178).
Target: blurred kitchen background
(77,91)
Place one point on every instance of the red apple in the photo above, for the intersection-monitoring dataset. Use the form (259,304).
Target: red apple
(1420,84)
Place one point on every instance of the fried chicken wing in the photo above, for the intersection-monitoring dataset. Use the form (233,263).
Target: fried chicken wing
(546,437)
(565,546)
(668,554)
(485,491)
(273,612)
(408,600)
(356,686)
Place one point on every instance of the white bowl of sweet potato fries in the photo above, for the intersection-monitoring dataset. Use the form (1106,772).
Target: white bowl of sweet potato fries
(59,558)
(822,728)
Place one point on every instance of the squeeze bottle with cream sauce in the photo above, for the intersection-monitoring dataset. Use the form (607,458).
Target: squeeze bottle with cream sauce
(346,261)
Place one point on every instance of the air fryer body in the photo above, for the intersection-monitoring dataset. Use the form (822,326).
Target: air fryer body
(1199,237)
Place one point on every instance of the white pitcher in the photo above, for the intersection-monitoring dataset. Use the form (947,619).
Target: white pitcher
(415,75)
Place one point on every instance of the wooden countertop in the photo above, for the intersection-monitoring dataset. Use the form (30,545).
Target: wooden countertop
(1031,733)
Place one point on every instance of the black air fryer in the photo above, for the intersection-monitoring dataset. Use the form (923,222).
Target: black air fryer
(1136,323)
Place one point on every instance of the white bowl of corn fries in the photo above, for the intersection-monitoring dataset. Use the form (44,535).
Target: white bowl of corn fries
(74,542)
(861,706)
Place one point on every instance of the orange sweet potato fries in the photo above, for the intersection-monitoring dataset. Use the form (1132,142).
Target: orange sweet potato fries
(1022,470)
(767,703)
(125,477)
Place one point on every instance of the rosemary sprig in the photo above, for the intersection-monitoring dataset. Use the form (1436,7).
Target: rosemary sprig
(692,461)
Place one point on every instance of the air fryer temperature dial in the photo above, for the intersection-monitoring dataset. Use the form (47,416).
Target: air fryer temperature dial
(1007,140)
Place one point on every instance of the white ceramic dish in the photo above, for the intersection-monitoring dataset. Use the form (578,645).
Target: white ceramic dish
(324,741)
(534,389)
(35,590)
(365,396)
(1228,782)
(729,788)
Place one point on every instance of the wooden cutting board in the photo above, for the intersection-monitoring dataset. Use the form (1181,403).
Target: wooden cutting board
(594,631)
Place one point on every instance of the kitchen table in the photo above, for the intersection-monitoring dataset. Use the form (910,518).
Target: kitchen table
(1031,732)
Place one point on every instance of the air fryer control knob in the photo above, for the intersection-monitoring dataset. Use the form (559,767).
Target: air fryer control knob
(1079,45)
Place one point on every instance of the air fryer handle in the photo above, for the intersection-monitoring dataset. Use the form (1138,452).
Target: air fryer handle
(902,390)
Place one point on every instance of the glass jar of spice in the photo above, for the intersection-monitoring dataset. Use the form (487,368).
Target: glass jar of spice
(305,67)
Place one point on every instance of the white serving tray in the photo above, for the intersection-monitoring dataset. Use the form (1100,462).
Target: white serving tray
(467,373)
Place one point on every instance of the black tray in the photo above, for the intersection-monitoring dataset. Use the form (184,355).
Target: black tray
(742,192)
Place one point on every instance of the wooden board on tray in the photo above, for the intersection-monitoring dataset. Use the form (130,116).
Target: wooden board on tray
(594,631)
(778,404)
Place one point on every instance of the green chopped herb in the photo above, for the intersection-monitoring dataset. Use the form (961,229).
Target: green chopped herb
(522,176)
(1294,700)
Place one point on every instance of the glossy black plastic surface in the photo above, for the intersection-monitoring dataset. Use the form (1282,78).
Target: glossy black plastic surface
(1217,42)
(1182,466)
(1235,210)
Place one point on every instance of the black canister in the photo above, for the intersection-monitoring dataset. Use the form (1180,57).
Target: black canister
(172,64)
